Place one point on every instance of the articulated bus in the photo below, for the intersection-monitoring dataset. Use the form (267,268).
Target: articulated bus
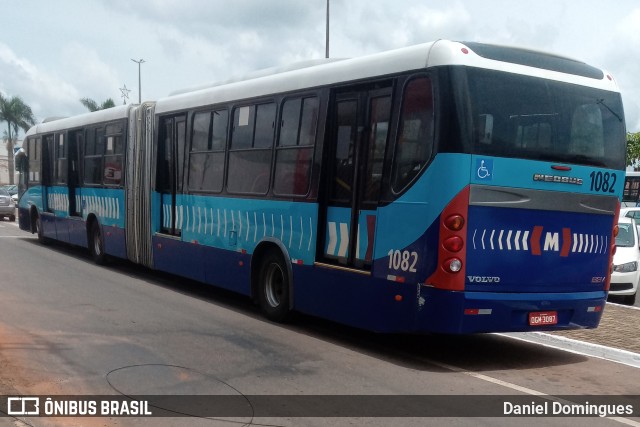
(445,187)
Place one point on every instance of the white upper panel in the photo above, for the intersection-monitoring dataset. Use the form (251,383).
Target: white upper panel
(439,53)
(110,114)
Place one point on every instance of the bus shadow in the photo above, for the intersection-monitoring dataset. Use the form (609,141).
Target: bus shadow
(425,352)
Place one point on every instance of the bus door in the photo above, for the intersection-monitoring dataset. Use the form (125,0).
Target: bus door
(169,172)
(75,141)
(358,140)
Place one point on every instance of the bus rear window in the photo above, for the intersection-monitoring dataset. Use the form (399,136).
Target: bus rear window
(526,117)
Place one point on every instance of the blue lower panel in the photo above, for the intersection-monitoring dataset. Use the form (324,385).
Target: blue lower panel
(380,305)
(444,311)
(219,267)
(78,232)
(354,299)
(48,224)
(114,241)
(73,230)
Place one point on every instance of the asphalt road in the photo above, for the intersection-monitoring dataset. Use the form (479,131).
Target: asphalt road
(70,327)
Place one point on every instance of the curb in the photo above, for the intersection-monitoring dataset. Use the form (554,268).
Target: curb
(579,347)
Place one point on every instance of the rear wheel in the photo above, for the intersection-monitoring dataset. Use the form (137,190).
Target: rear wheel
(96,244)
(12,218)
(273,289)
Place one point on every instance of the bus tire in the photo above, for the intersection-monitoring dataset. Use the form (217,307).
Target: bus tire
(37,224)
(96,244)
(273,287)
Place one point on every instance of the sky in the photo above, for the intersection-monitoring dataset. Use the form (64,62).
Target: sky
(53,53)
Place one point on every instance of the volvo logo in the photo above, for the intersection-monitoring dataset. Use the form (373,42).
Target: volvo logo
(484,279)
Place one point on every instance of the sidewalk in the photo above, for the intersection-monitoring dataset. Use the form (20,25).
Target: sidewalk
(619,328)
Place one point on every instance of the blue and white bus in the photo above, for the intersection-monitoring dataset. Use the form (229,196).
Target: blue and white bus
(448,187)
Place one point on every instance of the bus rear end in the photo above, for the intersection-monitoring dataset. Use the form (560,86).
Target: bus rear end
(527,243)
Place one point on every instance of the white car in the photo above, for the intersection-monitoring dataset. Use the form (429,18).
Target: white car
(626,274)
(7,207)
(631,212)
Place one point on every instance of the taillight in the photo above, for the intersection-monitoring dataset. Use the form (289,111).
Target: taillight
(453,244)
(454,222)
(451,255)
(452,265)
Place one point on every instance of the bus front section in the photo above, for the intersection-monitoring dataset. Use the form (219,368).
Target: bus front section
(527,244)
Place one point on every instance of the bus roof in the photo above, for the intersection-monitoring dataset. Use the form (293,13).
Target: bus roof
(433,54)
(107,115)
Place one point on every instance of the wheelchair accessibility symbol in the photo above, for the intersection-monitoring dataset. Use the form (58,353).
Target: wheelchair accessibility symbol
(484,169)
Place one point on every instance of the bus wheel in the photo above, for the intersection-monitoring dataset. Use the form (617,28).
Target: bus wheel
(96,244)
(38,228)
(274,287)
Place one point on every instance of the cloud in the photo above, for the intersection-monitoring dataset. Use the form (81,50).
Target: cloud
(617,55)
(394,27)
(188,43)
(39,89)
(92,76)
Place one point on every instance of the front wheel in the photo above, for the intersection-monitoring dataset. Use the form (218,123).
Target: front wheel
(274,294)
(37,223)
(96,244)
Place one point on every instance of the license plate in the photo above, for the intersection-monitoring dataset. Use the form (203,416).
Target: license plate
(541,318)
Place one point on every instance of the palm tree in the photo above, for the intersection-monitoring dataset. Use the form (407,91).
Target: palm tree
(17,114)
(93,105)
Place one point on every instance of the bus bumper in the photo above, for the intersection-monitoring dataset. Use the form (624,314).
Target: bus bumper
(451,312)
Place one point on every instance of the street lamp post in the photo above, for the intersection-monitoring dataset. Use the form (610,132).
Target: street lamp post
(326,52)
(139,62)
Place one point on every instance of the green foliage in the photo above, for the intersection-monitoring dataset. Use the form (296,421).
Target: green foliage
(93,105)
(17,115)
(633,150)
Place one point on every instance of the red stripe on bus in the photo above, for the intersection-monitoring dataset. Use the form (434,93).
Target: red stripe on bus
(535,240)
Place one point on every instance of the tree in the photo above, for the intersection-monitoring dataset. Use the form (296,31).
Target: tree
(93,105)
(17,114)
(633,150)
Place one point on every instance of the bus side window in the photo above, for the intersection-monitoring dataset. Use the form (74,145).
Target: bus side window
(48,159)
(294,151)
(60,151)
(93,152)
(414,143)
(249,169)
(34,154)
(208,142)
